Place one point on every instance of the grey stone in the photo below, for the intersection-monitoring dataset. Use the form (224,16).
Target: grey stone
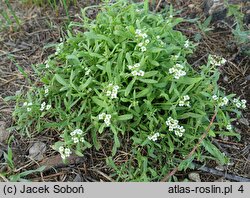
(37,150)
(194,177)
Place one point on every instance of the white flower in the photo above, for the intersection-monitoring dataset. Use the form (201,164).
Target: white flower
(216,60)
(229,127)
(134,73)
(238,104)
(75,139)
(140,73)
(42,106)
(143,48)
(79,131)
(46,90)
(215,97)
(144,35)
(108,116)
(140,44)
(101,116)
(181,103)
(174,126)
(177,71)
(113,95)
(30,103)
(25,104)
(244,101)
(137,65)
(73,133)
(87,72)
(186,45)
(48,107)
(116,87)
(108,93)
(147,41)
(130,67)
(61,149)
(82,139)
(154,137)
(158,37)
(28,109)
(137,31)
(186,97)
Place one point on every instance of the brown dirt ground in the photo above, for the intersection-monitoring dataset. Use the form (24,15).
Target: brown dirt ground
(42,26)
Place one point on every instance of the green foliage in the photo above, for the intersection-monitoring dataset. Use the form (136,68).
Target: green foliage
(7,15)
(125,76)
(241,32)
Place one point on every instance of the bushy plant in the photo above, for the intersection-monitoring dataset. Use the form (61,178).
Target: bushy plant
(126,80)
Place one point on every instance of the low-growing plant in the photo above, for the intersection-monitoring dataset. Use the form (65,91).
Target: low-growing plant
(126,80)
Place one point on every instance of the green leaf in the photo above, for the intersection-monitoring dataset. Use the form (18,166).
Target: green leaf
(125,117)
(213,150)
(129,87)
(99,102)
(188,80)
(150,81)
(61,80)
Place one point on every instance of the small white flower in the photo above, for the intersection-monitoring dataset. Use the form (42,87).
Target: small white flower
(140,44)
(46,90)
(113,95)
(181,103)
(243,101)
(137,31)
(186,45)
(186,97)
(28,109)
(108,93)
(143,48)
(30,103)
(158,37)
(215,97)
(87,72)
(141,73)
(134,73)
(238,104)
(82,139)
(137,65)
(101,116)
(61,149)
(48,107)
(108,116)
(42,106)
(25,104)
(144,35)
(147,41)
(229,127)
(73,133)
(75,139)
(116,87)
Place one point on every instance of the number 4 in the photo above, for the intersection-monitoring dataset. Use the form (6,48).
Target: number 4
(241,189)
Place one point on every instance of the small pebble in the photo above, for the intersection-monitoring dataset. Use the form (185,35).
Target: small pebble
(37,150)
(194,177)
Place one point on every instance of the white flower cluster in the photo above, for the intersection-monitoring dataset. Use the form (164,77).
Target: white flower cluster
(46,64)
(87,71)
(184,101)
(217,60)
(229,127)
(27,104)
(177,71)
(154,137)
(142,35)
(77,135)
(112,91)
(174,126)
(135,70)
(44,106)
(221,101)
(59,47)
(46,90)
(105,117)
(187,44)
(65,152)
(240,103)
